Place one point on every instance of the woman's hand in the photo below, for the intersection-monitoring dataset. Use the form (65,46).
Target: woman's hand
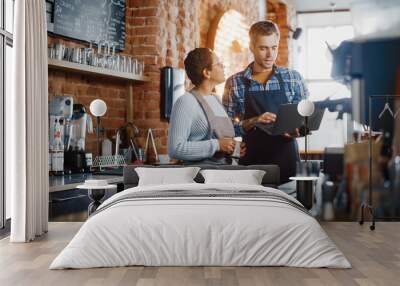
(226,145)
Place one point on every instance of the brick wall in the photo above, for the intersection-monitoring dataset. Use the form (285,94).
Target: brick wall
(278,13)
(159,32)
(209,9)
(171,25)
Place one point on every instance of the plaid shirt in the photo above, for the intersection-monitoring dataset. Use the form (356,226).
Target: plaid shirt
(233,99)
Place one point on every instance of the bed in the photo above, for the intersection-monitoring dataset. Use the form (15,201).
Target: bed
(197,224)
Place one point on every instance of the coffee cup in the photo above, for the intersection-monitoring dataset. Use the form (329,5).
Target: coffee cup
(236,151)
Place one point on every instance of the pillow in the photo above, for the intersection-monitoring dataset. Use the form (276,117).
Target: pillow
(166,176)
(248,177)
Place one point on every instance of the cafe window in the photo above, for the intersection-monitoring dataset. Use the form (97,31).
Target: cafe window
(314,61)
(9,13)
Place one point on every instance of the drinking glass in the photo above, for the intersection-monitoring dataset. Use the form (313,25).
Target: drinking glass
(129,65)
(140,67)
(59,51)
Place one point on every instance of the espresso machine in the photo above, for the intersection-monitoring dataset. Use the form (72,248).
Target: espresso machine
(68,125)
(60,113)
(74,154)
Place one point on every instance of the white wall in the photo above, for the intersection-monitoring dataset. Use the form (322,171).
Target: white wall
(262,11)
(376,17)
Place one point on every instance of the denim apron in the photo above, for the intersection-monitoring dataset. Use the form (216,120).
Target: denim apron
(262,148)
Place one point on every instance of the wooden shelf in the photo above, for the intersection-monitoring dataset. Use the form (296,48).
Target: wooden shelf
(70,66)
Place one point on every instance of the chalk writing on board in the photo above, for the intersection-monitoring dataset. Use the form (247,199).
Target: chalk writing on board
(91,20)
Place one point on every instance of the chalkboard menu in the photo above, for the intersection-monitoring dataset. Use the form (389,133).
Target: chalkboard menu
(91,20)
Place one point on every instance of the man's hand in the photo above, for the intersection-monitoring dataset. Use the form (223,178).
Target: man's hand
(266,117)
(226,145)
(294,134)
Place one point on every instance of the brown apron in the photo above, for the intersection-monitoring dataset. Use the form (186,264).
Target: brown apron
(219,127)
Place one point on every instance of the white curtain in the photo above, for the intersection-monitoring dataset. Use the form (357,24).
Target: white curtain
(27,124)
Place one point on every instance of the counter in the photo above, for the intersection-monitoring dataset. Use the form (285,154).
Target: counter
(68,182)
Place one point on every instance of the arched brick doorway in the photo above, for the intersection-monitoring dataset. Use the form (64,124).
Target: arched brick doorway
(228,37)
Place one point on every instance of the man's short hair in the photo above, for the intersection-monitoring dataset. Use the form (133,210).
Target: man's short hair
(263,28)
(196,61)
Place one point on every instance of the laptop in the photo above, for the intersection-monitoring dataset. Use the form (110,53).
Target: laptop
(288,119)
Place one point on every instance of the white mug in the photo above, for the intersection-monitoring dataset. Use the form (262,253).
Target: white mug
(236,151)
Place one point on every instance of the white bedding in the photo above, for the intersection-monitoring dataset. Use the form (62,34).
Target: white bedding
(200,231)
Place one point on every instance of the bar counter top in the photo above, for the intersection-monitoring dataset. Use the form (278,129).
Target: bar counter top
(70,181)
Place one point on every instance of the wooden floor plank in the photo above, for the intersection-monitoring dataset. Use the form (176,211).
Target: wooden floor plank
(375,257)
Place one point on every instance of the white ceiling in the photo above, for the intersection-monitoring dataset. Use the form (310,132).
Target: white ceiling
(317,5)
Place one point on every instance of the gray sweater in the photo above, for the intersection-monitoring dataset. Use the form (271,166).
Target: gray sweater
(188,137)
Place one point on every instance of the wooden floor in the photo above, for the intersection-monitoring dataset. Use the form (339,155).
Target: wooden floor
(375,257)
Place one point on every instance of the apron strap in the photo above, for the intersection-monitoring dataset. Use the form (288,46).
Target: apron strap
(281,83)
(247,81)
(254,105)
(200,101)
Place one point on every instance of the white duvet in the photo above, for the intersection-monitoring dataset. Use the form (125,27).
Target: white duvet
(200,231)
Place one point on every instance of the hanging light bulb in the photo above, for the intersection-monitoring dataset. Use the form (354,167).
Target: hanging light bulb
(333,6)
(330,30)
